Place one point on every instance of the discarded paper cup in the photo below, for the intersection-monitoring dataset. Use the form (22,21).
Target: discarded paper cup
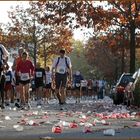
(18,127)
(73,125)
(7,118)
(31,122)
(65,124)
(87,129)
(57,129)
(109,132)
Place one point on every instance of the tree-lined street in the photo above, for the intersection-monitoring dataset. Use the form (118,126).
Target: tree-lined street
(108,60)
(38,122)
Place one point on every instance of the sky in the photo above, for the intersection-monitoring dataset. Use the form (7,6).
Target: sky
(5,6)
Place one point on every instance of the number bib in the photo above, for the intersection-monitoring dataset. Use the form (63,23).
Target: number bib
(24,76)
(38,74)
(83,83)
(61,70)
(77,84)
(89,87)
(33,82)
(7,78)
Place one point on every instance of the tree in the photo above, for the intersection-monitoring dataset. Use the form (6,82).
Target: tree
(103,53)
(79,61)
(29,26)
(114,14)
(51,44)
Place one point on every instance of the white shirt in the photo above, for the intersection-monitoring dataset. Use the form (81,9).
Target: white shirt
(61,67)
(83,83)
(48,77)
(5,52)
(101,83)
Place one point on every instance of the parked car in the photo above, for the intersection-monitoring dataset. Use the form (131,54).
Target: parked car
(132,90)
(136,76)
(119,91)
(112,91)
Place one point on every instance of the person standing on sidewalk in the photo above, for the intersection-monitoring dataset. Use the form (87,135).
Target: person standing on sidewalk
(61,74)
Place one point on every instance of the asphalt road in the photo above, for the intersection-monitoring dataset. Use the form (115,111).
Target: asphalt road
(38,122)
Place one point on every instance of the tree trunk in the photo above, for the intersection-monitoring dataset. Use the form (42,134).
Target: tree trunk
(132,47)
(122,60)
(45,56)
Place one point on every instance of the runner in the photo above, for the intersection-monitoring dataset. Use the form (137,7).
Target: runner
(15,63)
(61,69)
(77,77)
(8,86)
(25,71)
(48,84)
(39,82)
(90,89)
(3,59)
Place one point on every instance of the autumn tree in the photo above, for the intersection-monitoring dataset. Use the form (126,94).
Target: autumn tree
(28,25)
(79,60)
(100,16)
(53,42)
(104,53)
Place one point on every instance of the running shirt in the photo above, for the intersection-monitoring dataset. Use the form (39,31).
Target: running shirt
(3,52)
(77,80)
(90,84)
(39,74)
(83,83)
(48,77)
(8,77)
(14,79)
(25,69)
(61,66)
(18,59)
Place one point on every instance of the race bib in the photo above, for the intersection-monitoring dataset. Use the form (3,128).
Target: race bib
(61,70)
(24,76)
(38,74)
(7,78)
(33,82)
(77,84)
(89,87)
(83,83)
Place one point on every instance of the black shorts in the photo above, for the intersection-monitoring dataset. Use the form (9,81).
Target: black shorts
(60,80)
(48,86)
(39,84)
(24,82)
(2,83)
(17,79)
(84,88)
(77,86)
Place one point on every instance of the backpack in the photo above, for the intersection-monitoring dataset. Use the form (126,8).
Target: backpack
(67,65)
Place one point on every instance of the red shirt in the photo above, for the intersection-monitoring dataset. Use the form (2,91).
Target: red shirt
(18,59)
(25,67)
